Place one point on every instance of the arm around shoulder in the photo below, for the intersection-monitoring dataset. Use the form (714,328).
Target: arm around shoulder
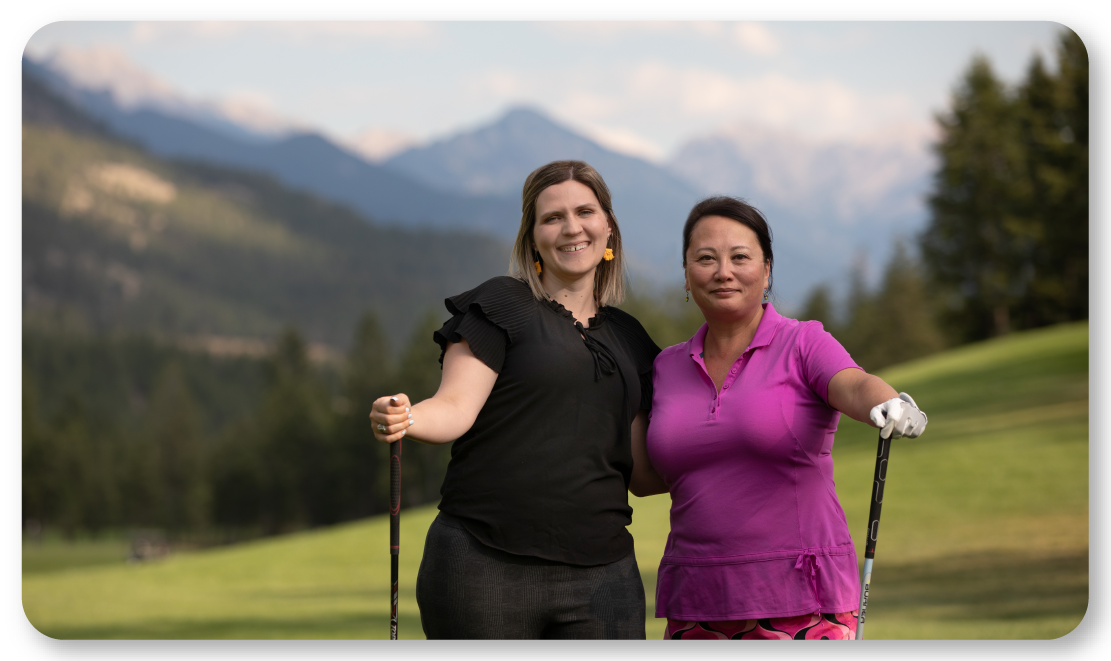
(645,481)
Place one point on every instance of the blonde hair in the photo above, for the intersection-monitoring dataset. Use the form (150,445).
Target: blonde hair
(609,277)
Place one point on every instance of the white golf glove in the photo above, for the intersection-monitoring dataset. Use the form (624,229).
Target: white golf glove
(898,417)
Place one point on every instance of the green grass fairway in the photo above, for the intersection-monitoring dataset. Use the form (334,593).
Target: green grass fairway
(54,554)
(984,531)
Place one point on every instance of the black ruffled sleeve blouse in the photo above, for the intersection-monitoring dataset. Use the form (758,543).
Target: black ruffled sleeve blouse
(544,471)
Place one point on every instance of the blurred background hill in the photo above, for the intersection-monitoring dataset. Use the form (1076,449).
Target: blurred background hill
(471,179)
(119,238)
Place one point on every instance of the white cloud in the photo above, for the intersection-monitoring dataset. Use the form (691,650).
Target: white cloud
(624,141)
(147,32)
(750,34)
(844,180)
(612,29)
(756,38)
(255,110)
(108,68)
(503,83)
(377,144)
(646,109)
(316,33)
(591,104)
(824,109)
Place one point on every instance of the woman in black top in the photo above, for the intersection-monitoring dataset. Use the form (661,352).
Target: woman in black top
(543,385)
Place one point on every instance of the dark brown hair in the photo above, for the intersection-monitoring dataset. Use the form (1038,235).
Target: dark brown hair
(738,210)
(609,278)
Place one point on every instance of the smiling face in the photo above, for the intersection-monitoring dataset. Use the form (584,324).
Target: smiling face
(571,231)
(726,272)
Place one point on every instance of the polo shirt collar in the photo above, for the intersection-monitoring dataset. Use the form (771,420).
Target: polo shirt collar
(765,331)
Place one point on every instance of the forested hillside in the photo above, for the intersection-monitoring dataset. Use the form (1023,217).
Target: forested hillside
(114,238)
(201,345)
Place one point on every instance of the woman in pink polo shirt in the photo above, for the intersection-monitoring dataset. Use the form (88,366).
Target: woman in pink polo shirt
(741,427)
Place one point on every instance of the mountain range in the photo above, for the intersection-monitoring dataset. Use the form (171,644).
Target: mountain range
(115,238)
(306,161)
(650,202)
(829,204)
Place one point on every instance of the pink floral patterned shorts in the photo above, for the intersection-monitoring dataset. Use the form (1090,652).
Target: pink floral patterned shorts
(816,626)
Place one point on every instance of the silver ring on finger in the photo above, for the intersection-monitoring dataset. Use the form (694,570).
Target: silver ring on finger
(381,427)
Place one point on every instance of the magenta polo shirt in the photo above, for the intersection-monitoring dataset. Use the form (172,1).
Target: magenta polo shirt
(756,527)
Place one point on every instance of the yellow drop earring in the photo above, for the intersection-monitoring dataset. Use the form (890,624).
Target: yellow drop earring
(609,255)
(536,256)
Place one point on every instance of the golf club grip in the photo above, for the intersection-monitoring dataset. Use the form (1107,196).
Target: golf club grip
(882,455)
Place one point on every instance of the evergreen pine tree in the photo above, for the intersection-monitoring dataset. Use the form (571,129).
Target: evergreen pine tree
(363,474)
(1053,118)
(819,307)
(1007,242)
(294,427)
(174,431)
(977,236)
(38,498)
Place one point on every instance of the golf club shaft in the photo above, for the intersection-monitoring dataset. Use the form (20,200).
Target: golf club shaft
(882,456)
(395,530)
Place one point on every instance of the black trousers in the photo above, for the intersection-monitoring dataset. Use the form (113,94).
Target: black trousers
(466,589)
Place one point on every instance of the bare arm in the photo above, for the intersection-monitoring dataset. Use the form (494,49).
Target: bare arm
(645,480)
(464,387)
(854,392)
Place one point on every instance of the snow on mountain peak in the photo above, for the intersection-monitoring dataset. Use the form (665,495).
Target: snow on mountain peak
(883,172)
(105,68)
(109,69)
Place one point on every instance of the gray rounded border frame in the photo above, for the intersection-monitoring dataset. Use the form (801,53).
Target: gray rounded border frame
(1083,642)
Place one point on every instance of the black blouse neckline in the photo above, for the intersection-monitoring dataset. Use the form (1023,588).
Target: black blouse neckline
(575,411)
(591,324)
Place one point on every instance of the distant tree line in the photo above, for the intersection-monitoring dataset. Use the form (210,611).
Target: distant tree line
(127,431)
(1006,246)
(122,432)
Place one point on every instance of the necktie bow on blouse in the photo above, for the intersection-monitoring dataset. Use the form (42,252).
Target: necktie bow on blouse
(604,361)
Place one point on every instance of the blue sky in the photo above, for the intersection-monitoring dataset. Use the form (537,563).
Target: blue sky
(640,87)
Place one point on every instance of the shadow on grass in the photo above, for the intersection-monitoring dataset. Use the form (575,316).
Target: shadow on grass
(336,627)
(380,595)
(983,586)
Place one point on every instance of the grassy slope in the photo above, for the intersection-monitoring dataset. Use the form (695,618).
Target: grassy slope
(984,535)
